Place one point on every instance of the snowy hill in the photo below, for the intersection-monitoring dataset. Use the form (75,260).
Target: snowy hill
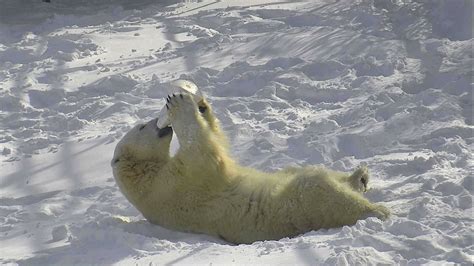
(340,83)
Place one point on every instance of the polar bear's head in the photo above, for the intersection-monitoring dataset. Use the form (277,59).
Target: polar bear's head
(144,142)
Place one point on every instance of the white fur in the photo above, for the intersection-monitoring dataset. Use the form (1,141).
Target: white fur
(202,190)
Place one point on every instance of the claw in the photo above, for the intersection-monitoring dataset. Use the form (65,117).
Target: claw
(167,107)
(168,99)
(174,95)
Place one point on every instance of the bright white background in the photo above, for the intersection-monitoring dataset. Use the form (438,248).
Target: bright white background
(336,82)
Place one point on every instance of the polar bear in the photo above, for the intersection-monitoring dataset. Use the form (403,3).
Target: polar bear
(201,189)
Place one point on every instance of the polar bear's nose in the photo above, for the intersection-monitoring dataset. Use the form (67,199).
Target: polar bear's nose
(162,132)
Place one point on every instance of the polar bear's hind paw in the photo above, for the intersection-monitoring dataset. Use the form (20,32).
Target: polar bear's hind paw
(360,179)
(202,109)
(379,211)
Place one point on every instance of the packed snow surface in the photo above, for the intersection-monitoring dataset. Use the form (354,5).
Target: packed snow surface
(335,82)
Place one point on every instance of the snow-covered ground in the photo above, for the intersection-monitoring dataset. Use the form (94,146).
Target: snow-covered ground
(333,82)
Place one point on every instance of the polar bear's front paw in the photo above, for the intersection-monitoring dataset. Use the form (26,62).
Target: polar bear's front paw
(180,104)
(184,116)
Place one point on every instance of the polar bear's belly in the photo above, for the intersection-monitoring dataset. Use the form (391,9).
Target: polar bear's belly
(183,212)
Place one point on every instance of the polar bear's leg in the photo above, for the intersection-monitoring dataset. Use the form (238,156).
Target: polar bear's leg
(378,211)
(206,111)
(330,204)
(200,148)
(357,207)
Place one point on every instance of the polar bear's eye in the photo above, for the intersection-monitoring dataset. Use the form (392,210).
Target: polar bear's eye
(202,109)
(141,127)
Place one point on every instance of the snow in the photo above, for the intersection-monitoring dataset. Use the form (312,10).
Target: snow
(383,83)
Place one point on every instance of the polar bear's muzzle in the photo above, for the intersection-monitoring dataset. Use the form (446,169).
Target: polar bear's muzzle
(163,132)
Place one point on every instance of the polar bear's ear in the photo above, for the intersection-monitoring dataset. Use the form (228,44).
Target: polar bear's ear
(118,153)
